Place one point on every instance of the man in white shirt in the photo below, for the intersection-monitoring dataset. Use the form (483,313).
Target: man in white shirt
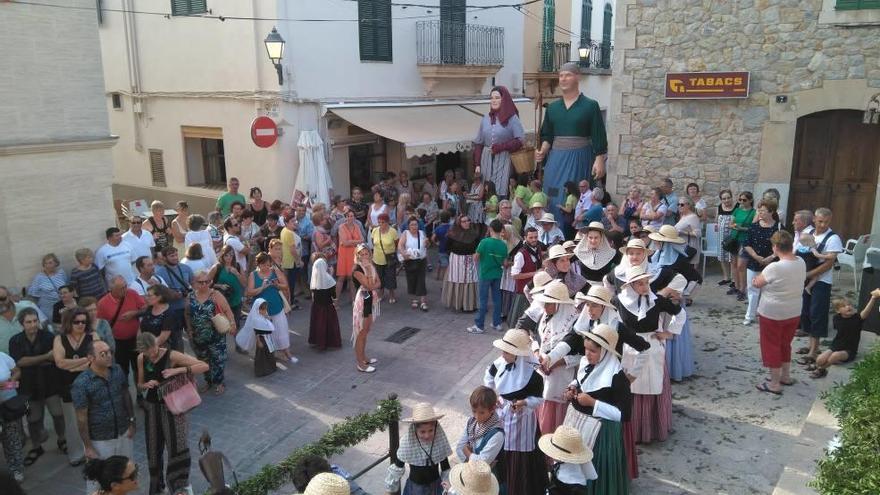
(584,202)
(146,276)
(232,227)
(115,257)
(814,312)
(141,241)
(803,224)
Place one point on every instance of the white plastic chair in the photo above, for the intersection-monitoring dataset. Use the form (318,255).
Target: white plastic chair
(711,244)
(853,256)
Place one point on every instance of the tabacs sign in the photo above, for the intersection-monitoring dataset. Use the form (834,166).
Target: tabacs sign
(707,85)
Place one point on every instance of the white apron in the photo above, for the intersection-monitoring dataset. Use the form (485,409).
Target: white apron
(551,334)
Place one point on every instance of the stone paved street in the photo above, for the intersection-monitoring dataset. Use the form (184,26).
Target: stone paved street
(729,438)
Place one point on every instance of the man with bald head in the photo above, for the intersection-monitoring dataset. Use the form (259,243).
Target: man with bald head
(573,140)
(120,308)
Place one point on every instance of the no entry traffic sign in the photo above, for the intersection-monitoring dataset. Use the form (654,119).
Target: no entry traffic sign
(264,132)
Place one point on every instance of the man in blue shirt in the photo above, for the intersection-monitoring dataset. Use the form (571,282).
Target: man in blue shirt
(594,212)
(671,200)
(178,278)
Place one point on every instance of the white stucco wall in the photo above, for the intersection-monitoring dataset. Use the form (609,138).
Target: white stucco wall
(54,137)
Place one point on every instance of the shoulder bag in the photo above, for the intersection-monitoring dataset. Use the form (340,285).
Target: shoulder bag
(13,409)
(179,394)
(219,320)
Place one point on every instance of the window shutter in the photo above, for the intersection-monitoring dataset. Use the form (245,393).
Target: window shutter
(847,4)
(188,7)
(586,22)
(374,30)
(869,4)
(157,168)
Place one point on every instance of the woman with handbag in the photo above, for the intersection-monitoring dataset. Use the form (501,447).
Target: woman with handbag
(12,409)
(206,333)
(760,252)
(413,250)
(743,216)
(163,430)
(385,256)
(724,219)
(229,280)
(268,282)
(69,350)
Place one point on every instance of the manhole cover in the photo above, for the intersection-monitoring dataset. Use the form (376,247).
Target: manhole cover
(402,335)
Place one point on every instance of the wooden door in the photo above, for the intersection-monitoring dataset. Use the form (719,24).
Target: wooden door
(836,159)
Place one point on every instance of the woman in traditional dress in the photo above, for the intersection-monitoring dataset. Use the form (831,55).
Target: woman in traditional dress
(601,399)
(256,335)
(558,265)
(365,308)
(556,321)
(595,255)
(501,133)
(269,283)
(513,376)
(475,198)
(640,310)
(323,321)
(508,284)
(460,286)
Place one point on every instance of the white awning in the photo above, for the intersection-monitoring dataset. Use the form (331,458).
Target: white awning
(427,129)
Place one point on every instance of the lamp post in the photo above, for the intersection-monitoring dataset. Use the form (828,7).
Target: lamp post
(275,48)
(584,55)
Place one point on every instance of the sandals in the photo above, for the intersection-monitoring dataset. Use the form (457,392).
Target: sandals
(787,384)
(424,307)
(766,388)
(817,373)
(219,389)
(811,367)
(724,282)
(806,360)
(33,455)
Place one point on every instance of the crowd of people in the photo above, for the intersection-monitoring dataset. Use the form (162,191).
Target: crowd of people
(593,294)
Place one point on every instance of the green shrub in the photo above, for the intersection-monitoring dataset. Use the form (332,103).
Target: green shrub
(854,467)
(340,436)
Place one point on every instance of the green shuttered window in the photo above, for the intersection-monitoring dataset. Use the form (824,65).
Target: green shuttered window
(374,30)
(188,7)
(857,4)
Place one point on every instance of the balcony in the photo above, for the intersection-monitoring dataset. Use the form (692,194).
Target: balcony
(553,55)
(455,58)
(600,56)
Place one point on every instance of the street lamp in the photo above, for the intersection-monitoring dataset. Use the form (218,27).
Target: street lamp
(275,48)
(584,54)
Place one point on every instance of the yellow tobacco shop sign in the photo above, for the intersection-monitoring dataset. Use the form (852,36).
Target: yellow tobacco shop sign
(699,85)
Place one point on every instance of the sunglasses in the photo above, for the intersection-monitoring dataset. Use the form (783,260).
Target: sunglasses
(80,322)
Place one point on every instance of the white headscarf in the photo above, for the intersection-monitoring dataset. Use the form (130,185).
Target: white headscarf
(594,259)
(601,375)
(321,278)
(584,324)
(245,338)
(513,379)
(636,304)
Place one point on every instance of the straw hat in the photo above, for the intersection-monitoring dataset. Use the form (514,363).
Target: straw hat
(423,413)
(327,484)
(650,228)
(539,281)
(605,336)
(555,293)
(578,236)
(547,218)
(557,251)
(569,245)
(566,445)
(595,226)
(635,273)
(636,244)
(515,341)
(667,233)
(678,284)
(536,204)
(597,294)
(473,478)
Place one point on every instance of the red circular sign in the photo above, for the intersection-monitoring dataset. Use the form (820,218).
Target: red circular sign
(264,132)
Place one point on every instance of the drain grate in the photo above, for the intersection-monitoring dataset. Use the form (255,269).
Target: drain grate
(402,335)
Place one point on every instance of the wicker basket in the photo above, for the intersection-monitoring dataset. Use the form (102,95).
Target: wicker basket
(523,160)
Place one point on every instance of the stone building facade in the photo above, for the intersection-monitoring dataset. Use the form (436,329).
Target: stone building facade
(55,159)
(805,57)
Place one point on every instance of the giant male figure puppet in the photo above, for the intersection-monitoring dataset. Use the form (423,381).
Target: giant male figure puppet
(573,140)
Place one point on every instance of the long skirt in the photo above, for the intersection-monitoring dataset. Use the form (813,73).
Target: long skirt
(324,327)
(564,165)
(412,488)
(680,354)
(264,359)
(518,306)
(460,286)
(629,445)
(495,168)
(609,460)
(652,414)
(281,333)
(525,472)
(163,430)
(551,414)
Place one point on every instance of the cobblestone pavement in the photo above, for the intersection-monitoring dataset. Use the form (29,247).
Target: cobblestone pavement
(728,438)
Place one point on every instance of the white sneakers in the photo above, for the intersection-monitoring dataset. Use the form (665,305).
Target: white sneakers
(475,329)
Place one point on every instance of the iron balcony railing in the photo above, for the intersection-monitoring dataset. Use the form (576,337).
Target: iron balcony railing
(553,55)
(600,54)
(457,43)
